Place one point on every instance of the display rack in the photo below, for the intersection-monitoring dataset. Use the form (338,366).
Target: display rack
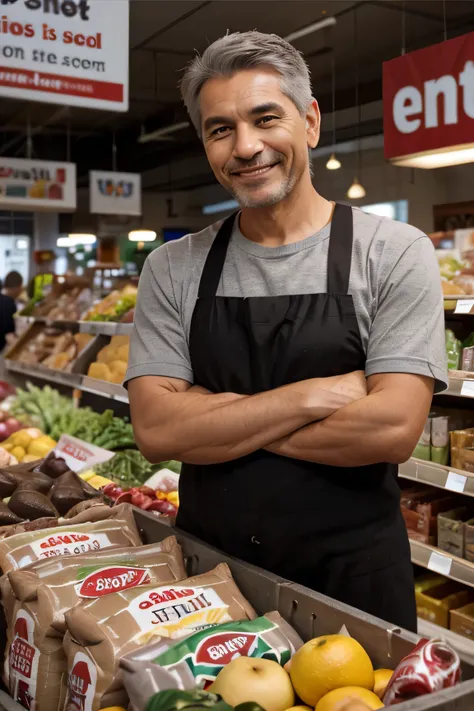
(443,563)
(95,328)
(70,380)
(438,475)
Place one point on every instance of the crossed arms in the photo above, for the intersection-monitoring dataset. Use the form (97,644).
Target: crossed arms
(345,421)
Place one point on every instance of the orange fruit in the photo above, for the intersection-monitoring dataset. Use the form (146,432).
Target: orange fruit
(327,663)
(381,679)
(343,699)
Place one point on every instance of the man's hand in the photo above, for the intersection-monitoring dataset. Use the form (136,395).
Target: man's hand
(174,420)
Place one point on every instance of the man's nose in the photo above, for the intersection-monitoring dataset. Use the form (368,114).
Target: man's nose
(247,142)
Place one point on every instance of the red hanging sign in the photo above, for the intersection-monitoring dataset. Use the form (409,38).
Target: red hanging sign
(428,98)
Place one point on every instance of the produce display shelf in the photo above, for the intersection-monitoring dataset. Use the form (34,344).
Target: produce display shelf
(457,297)
(438,475)
(71,380)
(105,328)
(461,384)
(463,645)
(96,328)
(443,563)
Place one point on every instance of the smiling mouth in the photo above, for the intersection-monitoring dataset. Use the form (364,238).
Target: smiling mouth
(253,172)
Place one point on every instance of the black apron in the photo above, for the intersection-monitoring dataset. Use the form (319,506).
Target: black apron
(336,530)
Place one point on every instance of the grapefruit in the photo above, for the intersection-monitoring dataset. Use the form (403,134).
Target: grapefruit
(259,680)
(381,679)
(327,663)
(344,698)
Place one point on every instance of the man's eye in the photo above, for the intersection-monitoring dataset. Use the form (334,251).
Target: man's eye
(266,119)
(220,131)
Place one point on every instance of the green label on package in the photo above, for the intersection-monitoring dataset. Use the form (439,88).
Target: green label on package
(206,652)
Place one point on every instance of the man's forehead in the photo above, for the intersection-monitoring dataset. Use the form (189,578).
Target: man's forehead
(248,86)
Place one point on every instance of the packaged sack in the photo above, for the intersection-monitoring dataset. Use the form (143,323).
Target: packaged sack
(198,659)
(46,590)
(104,630)
(431,666)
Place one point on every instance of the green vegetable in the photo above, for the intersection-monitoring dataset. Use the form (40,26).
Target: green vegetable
(195,700)
(128,468)
(453,350)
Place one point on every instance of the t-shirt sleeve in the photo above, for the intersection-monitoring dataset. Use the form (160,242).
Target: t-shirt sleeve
(408,333)
(158,345)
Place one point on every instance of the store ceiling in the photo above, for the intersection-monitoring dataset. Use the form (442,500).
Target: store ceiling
(164,35)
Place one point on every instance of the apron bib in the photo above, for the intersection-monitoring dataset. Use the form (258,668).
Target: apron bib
(334,529)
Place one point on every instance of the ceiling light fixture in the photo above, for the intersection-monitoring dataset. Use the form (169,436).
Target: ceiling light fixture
(357,190)
(333,163)
(142,236)
(309,29)
(82,238)
(163,134)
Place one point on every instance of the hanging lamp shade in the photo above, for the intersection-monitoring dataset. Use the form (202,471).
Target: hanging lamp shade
(356,191)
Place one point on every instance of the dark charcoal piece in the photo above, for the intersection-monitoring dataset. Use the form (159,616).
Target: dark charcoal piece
(7,517)
(35,482)
(32,505)
(53,466)
(68,491)
(8,484)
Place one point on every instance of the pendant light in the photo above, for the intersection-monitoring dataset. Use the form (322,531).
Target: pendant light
(333,163)
(357,190)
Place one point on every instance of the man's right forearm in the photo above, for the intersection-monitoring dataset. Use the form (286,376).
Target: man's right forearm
(201,428)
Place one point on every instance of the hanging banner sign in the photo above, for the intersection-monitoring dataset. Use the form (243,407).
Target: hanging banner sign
(37,185)
(114,193)
(72,52)
(428,98)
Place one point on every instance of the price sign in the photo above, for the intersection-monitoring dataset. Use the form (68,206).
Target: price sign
(467,389)
(439,563)
(464,306)
(455,482)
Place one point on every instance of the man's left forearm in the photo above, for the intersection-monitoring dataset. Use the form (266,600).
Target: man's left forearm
(382,427)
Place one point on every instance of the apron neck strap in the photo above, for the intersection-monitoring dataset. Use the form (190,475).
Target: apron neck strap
(339,255)
(340,250)
(212,271)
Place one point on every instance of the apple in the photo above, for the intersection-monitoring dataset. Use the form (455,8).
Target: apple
(259,680)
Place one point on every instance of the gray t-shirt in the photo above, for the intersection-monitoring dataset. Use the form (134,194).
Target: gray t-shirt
(394,282)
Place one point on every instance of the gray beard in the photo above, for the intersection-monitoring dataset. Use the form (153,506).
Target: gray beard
(245,198)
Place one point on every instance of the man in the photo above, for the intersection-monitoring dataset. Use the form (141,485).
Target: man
(12,288)
(251,339)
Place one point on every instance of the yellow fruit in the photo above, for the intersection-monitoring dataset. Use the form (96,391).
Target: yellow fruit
(85,476)
(7,446)
(338,697)
(259,680)
(381,679)
(29,458)
(99,481)
(20,439)
(299,708)
(18,453)
(328,663)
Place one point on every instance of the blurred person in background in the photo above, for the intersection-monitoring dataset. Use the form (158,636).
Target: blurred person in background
(7,322)
(14,288)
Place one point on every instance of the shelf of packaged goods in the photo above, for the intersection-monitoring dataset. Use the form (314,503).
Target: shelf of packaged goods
(71,380)
(463,646)
(443,563)
(438,475)
(95,328)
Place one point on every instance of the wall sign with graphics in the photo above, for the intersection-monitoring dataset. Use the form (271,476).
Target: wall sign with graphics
(65,52)
(37,185)
(428,99)
(114,193)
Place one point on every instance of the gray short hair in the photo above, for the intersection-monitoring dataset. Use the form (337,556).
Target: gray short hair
(247,50)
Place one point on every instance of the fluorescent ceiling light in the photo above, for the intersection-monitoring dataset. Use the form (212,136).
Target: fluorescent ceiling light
(309,29)
(22,243)
(142,236)
(454,155)
(356,191)
(82,238)
(64,242)
(333,163)
(163,134)
(220,207)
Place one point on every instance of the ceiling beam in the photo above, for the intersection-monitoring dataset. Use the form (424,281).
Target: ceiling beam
(170,25)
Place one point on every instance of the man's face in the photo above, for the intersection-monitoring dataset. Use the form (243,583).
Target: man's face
(255,139)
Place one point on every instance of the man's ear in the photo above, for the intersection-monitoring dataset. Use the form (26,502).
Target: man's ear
(313,124)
